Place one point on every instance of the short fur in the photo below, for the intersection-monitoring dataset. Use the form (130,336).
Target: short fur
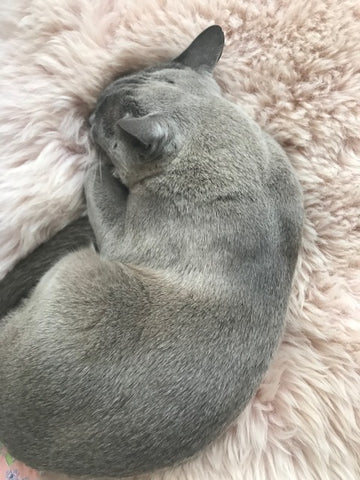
(294,66)
(135,358)
(19,282)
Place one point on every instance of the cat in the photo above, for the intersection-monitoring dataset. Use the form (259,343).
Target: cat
(134,356)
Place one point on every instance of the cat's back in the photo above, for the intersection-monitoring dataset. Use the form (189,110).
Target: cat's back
(269,195)
(236,196)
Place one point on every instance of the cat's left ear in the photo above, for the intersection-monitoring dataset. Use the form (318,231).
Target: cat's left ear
(205,51)
(149,130)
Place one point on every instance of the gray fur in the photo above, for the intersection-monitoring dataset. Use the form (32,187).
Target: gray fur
(19,282)
(135,358)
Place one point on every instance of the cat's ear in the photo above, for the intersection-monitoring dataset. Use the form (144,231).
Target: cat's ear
(149,130)
(205,51)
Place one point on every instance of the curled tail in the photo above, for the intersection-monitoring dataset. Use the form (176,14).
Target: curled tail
(18,283)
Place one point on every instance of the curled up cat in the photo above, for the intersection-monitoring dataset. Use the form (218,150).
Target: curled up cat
(134,355)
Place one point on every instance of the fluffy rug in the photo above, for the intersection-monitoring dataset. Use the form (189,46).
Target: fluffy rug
(295,66)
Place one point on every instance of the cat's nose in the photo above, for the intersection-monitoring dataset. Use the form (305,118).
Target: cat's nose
(91,119)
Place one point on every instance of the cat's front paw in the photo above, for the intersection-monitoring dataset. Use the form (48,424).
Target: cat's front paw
(100,180)
(100,166)
(91,175)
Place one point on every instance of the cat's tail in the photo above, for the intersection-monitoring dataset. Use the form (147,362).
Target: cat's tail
(18,283)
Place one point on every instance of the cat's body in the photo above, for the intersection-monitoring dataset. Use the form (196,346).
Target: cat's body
(135,358)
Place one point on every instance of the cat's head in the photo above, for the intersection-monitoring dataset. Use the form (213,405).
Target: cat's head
(145,117)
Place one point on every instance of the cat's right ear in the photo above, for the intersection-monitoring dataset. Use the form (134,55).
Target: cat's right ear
(150,130)
(205,51)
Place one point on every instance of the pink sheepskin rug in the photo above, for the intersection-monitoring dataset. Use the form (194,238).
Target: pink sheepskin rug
(294,65)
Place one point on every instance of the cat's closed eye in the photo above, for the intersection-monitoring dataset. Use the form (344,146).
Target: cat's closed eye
(167,80)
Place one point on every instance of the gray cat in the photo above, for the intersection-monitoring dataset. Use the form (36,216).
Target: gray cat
(136,357)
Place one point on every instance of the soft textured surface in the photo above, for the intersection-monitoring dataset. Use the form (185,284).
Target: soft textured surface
(295,66)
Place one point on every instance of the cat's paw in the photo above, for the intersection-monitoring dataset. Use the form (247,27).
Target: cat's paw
(91,174)
(99,178)
(97,171)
